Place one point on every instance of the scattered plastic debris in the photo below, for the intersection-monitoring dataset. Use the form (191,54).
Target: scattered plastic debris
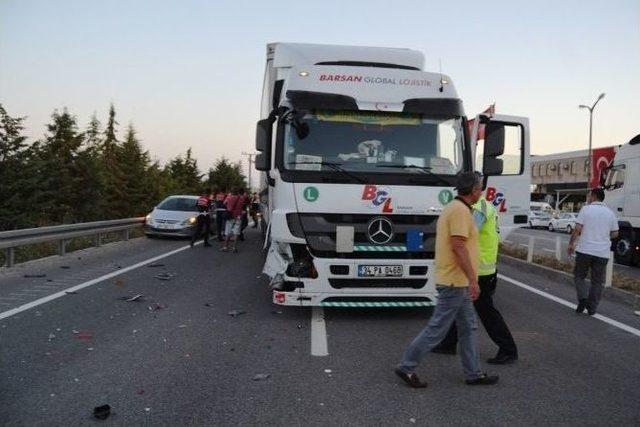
(135,331)
(34,276)
(155,264)
(276,312)
(164,276)
(259,276)
(137,297)
(261,377)
(90,349)
(76,380)
(65,267)
(52,395)
(71,292)
(300,326)
(52,337)
(412,420)
(182,326)
(147,409)
(157,306)
(102,412)
(236,313)
(207,304)
(327,371)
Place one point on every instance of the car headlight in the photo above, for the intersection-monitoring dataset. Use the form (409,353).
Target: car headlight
(189,221)
(148,219)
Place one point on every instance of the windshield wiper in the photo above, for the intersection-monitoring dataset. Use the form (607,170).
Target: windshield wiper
(335,166)
(424,169)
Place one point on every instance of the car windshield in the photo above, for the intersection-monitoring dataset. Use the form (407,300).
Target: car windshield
(182,204)
(370,141)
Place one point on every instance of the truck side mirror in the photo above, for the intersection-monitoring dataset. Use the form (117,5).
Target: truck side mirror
(493,148)
(263,145)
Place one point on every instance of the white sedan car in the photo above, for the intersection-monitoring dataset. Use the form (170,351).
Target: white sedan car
(174,216)
(565,222)
(539,219)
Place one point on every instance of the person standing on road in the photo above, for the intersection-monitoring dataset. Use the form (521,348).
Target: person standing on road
(203,220)
(486,219)
(220,213)
(456,266)
(596,226)
(233,204)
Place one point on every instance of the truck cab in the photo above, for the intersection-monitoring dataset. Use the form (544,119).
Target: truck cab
(621,182)
(359,150)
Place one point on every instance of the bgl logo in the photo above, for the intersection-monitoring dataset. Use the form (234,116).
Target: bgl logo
(375,196)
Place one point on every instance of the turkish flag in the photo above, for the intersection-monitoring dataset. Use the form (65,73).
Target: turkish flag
(601,159)
(490,111)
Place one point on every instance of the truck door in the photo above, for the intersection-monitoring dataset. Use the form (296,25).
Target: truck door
(509,192)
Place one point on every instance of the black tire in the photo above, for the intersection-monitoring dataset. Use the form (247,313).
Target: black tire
(623,249)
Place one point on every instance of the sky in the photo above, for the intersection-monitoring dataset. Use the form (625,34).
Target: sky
(189,73)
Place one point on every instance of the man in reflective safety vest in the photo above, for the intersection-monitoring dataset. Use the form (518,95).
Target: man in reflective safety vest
(486,218)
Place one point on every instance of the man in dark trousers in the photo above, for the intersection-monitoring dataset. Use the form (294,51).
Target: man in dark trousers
(596,225)
(456,267)
(486,219)
(203,220)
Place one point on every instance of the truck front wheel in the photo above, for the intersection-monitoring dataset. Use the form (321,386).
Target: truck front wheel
(623,249)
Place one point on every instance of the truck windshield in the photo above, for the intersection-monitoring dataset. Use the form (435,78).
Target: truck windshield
(380,142)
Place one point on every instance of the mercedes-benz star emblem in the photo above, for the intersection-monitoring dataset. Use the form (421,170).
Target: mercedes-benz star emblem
(380,231)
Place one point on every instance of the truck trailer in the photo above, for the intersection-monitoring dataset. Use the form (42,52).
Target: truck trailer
(359,149)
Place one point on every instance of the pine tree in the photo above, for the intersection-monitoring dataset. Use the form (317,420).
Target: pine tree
(226,176)
(184,174)
(92,134)
(134,162)
(17,177)
(113,203)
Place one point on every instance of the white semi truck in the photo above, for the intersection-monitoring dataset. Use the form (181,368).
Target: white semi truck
(621,182)
(359,149)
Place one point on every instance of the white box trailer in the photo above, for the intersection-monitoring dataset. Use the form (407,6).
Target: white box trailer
(359,150)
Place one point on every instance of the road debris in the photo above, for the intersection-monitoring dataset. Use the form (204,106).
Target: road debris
(637,313)
(327,371)
(140,392)
(71,292)
(90,349)
(276,312)
(147,409)
(261,377)
(236,313)
(102,412)
(34,276)
(136,298)
(119,282)
(155,264)
(206,304)
(412,420)
(156,306)
(182,326)
(83,335)
(52,337)
(65,267)
(165,276)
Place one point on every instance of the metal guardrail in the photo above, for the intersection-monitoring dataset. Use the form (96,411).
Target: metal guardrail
(9,240)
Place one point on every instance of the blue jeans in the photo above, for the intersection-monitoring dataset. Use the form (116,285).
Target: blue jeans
(453,304)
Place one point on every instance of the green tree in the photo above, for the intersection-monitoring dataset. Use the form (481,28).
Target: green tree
(113,202)
(17,175)
(184,174)
(135,164)
(226,176)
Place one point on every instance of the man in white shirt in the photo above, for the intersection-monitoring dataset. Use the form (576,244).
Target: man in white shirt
(596,225)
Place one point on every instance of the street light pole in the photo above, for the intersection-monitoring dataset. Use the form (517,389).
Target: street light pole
(590,137)
(250,155)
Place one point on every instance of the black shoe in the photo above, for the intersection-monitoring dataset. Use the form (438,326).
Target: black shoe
(582,304)
(484,379)
(591,311)
(191,244)
(412,379)
(502,359)
(442,350)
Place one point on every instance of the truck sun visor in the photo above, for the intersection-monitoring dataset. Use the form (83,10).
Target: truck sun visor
(447,107)
(305,100)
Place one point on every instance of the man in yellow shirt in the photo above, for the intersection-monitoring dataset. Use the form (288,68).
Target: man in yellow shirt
(456,265)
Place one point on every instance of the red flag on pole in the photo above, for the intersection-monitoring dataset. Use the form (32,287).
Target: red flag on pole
(490,111)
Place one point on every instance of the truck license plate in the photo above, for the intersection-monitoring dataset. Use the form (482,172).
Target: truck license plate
(379,270)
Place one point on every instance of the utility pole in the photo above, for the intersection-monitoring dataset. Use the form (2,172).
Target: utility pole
(590,136)
(251,161)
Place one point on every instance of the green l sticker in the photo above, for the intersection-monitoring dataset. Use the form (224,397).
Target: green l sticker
(445,197)
(311,194)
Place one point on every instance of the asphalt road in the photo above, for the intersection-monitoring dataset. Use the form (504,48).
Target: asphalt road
(545,244)
(176,357)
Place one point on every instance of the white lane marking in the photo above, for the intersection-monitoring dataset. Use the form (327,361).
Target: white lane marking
(566,303)
(63,293)
(318,333)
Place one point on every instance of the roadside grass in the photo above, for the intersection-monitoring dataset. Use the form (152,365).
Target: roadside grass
(619,280)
